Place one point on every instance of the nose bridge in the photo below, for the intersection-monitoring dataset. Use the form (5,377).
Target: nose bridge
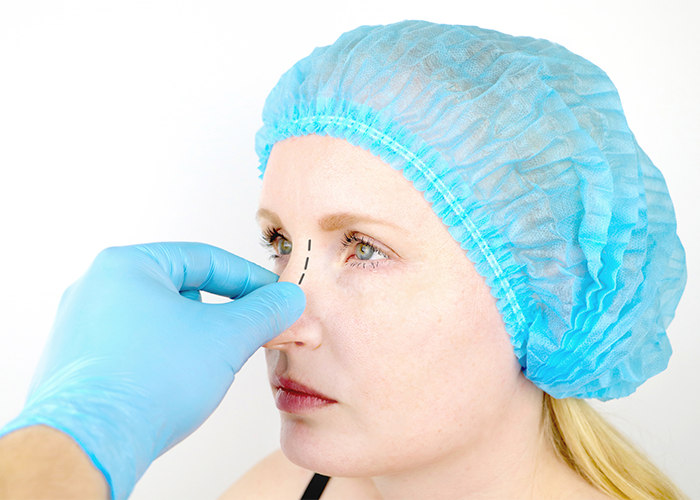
(305,332)
(298,265)
(306,258)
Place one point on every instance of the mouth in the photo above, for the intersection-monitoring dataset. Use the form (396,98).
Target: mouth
(293,397)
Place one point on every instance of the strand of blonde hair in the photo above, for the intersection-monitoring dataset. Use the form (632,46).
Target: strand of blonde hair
(602,455)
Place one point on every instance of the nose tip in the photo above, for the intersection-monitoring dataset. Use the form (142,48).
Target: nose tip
(304,333)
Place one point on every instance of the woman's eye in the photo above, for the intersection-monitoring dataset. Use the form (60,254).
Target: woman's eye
(363,251)
(283,247)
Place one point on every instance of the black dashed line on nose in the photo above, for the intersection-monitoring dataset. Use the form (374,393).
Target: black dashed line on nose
(306,265)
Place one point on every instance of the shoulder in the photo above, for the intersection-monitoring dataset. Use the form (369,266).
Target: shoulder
(273,478)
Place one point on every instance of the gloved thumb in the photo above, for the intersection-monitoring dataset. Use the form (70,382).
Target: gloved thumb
(258,317)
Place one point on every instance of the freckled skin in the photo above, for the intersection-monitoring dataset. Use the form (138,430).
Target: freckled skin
(412,347)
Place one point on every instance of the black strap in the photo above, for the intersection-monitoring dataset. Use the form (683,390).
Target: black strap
(315,488)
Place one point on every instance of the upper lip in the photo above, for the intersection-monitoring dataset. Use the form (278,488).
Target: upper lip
(292,385)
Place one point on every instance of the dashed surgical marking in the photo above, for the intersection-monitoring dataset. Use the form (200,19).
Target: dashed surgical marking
(306,265)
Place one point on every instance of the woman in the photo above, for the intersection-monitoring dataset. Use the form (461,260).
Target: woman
(416,372)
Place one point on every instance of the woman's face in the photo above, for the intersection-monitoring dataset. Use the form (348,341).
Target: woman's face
(399,329)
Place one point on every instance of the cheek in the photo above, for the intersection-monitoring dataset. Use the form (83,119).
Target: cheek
(423,339)
(376,313)
(407,312)
(401,339)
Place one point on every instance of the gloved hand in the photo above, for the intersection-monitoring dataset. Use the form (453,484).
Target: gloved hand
(134,364)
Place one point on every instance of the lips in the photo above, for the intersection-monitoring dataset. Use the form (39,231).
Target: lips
(293,397)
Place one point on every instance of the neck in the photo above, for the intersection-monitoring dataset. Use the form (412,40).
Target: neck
(513,460)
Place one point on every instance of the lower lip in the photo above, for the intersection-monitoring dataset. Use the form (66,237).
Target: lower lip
(298,402)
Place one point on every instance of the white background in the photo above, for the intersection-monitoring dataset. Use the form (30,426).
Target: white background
(124,122)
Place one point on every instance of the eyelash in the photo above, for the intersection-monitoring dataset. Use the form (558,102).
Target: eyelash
(270,235)
(348,239)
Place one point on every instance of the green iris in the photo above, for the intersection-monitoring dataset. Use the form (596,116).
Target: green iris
(364,251)
(284,247)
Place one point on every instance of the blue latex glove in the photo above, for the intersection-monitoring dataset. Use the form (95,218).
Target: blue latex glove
(134,365)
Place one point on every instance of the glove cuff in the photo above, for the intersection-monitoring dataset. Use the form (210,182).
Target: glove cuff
(112,453)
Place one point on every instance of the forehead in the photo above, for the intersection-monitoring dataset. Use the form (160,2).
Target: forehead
(321,175)
(323,162)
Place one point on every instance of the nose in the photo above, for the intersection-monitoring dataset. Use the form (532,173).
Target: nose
(305,333)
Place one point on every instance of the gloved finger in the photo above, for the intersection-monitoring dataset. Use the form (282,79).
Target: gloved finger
(192,294)
(259,317)
(198,266)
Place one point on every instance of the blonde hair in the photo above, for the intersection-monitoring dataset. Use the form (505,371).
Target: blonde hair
(601,455)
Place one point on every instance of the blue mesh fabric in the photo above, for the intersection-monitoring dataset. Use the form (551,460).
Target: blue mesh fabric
(523,150)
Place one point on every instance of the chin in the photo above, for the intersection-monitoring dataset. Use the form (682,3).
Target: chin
(334,453)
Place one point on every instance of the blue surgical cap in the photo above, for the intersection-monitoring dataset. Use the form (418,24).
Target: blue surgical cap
(523,150)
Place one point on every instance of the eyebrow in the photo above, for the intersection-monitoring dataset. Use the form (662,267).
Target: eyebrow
(334,221)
